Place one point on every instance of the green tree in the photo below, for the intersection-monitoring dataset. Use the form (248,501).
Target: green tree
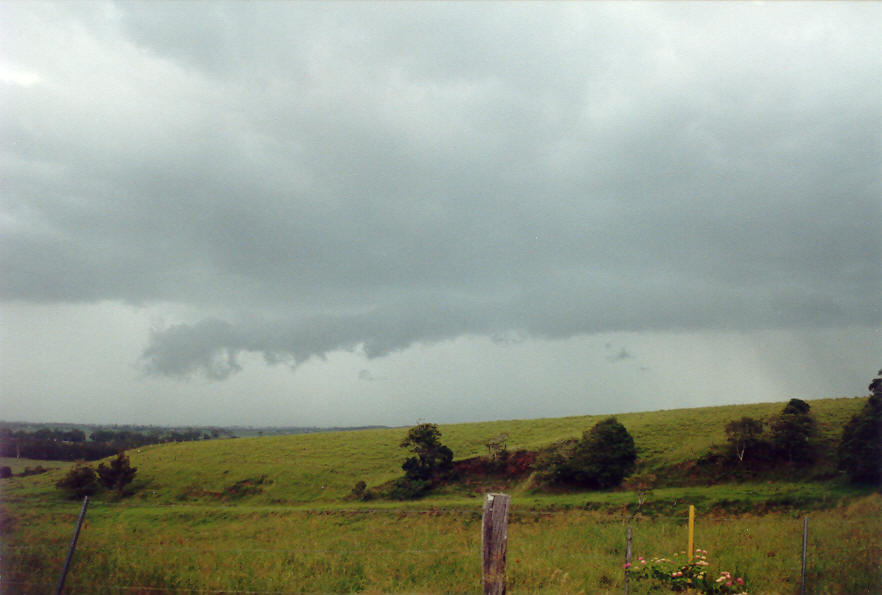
(860,449)
(431,459)
(79,482)
(793,430)
(744,434)
(118,474)
(601,459)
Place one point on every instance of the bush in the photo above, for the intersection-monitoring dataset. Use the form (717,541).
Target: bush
(408,489)
(360,492)
(118,474)
(601,459)
(678,574)
(5,472)
(792,432)
(79,482)
(860,449)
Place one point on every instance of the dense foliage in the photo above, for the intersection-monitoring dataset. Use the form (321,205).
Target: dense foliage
(860,450)
(432,461)
(118,474)
(746,440)
(792,432)
(79,482)
(601,459)
(431,458)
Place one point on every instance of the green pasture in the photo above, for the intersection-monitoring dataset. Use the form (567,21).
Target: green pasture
(323,467)
(170,548)
(271,514)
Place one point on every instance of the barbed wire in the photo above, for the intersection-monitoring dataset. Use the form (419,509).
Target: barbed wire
(470,547)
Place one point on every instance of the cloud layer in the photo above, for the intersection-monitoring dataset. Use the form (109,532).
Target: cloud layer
(299,179)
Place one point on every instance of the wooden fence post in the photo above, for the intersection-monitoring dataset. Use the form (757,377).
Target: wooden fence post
(494,530)
(73,545)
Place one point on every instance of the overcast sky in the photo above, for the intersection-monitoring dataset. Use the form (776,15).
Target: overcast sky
(378,213)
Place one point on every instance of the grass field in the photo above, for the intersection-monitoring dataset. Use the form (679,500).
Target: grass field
(249,548)
(187,529)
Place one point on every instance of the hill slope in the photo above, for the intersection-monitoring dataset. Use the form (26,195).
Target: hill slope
(322,468)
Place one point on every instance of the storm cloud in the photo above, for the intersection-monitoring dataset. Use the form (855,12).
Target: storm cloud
(296,179)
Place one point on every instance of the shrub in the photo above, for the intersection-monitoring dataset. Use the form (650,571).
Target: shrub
(408,489)
(79,482)
(793,430)
(682,575)
(860,449)
(118,474)
(601,459)
(5,472)
(360,492)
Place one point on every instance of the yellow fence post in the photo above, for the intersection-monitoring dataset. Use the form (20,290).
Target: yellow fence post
(691,550)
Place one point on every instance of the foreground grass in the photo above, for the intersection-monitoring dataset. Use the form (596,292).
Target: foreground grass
(433,550)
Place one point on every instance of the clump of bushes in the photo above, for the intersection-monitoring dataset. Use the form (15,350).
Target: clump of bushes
(82,480)
(79,482)
(603,457)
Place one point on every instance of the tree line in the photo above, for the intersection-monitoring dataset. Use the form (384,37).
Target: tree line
(58,444)
(790,439)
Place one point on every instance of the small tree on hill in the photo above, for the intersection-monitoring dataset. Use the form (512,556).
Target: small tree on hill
(79,482)
(118,474)
(860,450)
(432,459)
(496,446)
(744,434)
(793,430)
(601,459)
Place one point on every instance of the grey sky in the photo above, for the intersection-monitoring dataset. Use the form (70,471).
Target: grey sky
(302,213)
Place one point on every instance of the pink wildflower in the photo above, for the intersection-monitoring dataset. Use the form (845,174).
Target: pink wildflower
(739,580)
(728,583)
(626,565)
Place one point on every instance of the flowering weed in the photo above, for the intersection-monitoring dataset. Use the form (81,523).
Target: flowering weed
(678,574)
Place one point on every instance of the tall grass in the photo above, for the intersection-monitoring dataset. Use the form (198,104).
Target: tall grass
(169,548)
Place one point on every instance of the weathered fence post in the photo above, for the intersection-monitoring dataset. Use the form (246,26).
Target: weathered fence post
(494,531)
(73,545)
(628,563)
(804,553)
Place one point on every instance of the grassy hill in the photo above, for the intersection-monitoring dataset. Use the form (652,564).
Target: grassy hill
(269,515)
(322,468)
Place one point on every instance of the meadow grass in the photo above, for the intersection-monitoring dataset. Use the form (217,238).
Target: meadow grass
(243,548)
(323,467)
(190,524)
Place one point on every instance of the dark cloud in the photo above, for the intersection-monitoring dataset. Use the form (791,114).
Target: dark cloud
(312,178)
